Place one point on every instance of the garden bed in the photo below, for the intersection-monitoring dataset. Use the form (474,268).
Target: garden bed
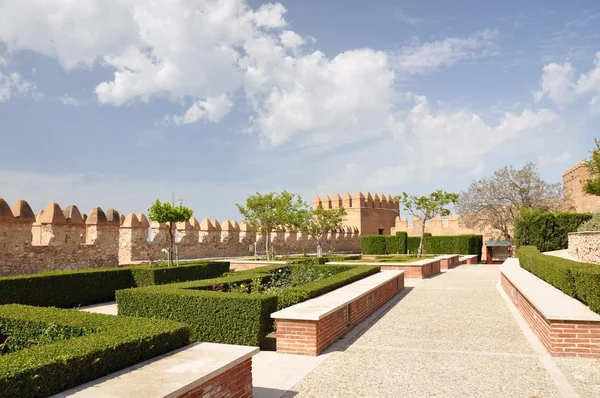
(236,309)
(68,289)
(49,350)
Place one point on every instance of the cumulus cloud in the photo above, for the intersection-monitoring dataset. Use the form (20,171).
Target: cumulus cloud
(425,57)
(71,101)
(213,109)
(557,83)
(13,85)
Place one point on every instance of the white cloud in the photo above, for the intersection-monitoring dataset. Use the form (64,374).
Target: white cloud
(291,39)
(429,56)
(557,83)
(13,85)
(3,61)
(71,101)
(595,105)
(548,159)
(590,81)
(213,109)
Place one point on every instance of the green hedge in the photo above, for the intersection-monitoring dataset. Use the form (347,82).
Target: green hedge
(545,230)
(412,243)
(384,244)
(457,244)
(578,280)
(62,349)
(67,289)
(229,318)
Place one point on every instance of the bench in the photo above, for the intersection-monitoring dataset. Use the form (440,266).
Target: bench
(565,326)
(468,259)
(198,370)
(417,269)
(309,327)
(448,261)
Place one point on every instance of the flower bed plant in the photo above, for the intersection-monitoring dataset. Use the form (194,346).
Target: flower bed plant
(48,350)
(236,309)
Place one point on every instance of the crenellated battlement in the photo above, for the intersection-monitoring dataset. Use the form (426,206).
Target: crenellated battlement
(68,239)
(359,200)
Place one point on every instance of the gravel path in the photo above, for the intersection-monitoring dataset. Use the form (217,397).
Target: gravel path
(450,336)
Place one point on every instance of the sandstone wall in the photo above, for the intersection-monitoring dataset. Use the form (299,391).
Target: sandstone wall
(58,239)
(585,246)
(573,180)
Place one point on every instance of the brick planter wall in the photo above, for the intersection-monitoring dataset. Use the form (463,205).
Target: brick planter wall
(312,337)
(561,338)
(449,262)
(415,271)
(235,382)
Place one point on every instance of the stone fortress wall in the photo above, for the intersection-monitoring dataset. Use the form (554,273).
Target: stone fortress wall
(573,180)
(67,239)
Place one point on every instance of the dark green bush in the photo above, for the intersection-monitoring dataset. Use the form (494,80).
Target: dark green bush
(372,244)
(230,318)
(67,289)
(412,242)
(546,230)
(578,280)
(66,348)
(384,244)
(457,244)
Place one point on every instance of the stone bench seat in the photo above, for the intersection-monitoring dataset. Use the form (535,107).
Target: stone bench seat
(468,259)
(309,327)
(565,326)
(198,370)
(416,269)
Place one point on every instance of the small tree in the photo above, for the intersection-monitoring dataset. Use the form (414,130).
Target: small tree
(427,207)
(167,212)
(265,213)
(592,185)
(317,222)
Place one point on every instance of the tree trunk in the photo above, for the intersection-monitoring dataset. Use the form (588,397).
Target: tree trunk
(267,238)
(170,243)
(420,252)
(319,248)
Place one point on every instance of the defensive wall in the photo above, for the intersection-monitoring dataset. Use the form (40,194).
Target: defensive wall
(574,179)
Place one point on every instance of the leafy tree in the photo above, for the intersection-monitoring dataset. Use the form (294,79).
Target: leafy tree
(592,185)
(427,207)
(495,202)
(317,222)
(266,213)
(168,213)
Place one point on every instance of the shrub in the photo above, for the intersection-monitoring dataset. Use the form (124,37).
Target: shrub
(412,242)
(230,318)
(593,224)
(67,348)
(67,289)
(458,244)
(546,230)
(578,280)
(372,244)
(384,244)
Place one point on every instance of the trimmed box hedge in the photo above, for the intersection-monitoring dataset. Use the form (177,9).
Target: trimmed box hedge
(545,230)
(412,243)
(61,349)
(456,244)
(68,289)
(579,280)
(384,244)
(226,317)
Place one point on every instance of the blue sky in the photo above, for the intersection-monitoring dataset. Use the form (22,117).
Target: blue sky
(115,103)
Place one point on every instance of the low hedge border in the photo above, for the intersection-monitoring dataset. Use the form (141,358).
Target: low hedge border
(229,318)
(68,289)
(80,347)
(579,280)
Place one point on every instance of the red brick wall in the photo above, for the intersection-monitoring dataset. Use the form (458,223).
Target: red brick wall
(447,263)
(235,382)
(415,271)
(312,337)
(472,260)
(561,338)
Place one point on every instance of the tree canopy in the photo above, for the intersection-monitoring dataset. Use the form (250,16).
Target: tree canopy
(495,202)
(592,185)
(427,207)
(168,213)
(267,213)
(317,222)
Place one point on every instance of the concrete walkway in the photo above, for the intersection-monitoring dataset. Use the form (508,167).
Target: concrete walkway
(453,335)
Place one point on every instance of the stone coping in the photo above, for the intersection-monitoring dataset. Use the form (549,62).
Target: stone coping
(418,263)
(169,375)
(585,233)
(467,256)
(255,262)
(319,307)
(549,301)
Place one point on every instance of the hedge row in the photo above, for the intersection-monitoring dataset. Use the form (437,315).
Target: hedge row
(61,349)
(545,230)
(229,318)
(67,289)
(383,244)
(458,244)
(578,280)
(412,244)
